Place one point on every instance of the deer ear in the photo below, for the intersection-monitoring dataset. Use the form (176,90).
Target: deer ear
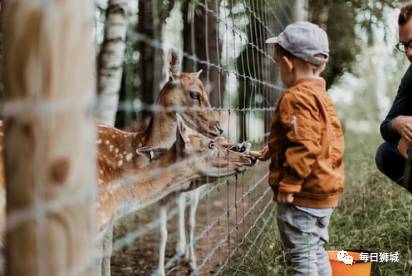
(197,74)
(182,132)
(182,138)
(172,78)
(152,153)
(173,60)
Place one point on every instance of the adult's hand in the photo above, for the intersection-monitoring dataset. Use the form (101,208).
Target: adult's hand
(403,147)
(403,125)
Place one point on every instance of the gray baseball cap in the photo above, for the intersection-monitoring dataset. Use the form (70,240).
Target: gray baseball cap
(304,40)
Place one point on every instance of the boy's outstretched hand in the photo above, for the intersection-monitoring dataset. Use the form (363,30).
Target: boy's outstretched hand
(284,198)
(262,154)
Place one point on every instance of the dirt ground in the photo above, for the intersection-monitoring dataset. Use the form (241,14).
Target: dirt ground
(227,215)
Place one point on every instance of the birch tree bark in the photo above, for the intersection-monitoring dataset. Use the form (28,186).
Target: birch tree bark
(49,137)
(301,10)
(110,61)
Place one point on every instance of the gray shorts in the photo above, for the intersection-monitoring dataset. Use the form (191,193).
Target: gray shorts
(304,237)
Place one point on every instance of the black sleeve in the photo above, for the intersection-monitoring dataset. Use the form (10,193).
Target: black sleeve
(402,105)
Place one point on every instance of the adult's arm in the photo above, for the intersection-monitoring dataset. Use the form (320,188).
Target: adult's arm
(402,105)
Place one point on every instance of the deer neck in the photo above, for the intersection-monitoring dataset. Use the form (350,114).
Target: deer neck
(117,152)
(131,193)
(162,130)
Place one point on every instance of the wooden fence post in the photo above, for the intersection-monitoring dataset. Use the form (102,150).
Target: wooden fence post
(49,137)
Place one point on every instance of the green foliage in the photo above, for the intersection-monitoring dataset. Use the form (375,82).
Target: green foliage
(340,26)
(340,18)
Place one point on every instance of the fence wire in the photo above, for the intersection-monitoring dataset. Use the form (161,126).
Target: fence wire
(236,208)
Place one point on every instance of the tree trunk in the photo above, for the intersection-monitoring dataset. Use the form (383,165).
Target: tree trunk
(151,58)
(301,10)
(110,61)
(201,38)
(49,137)
(123,117)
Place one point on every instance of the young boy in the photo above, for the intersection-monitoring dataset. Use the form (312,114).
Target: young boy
(306,149)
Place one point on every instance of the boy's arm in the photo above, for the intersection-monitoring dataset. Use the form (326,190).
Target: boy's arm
(300,117)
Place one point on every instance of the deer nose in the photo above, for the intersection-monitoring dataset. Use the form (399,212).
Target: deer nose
(245,147)
(249,160)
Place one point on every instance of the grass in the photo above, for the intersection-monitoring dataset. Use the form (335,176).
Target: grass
(374,215)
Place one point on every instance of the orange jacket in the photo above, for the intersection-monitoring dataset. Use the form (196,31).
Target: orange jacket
(306,146)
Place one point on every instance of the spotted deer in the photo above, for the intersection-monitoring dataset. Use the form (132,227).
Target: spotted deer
(226,159)
(192,157)
(117,148)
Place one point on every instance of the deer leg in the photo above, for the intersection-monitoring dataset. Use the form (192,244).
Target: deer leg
(192,224)
(107,251)
(163,241)
(181,240)
(99,265)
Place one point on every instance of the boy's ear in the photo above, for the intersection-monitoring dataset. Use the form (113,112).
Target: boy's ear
(319,69)
(289,63)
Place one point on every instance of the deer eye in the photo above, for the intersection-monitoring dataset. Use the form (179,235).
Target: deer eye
(195,95)
(211,145)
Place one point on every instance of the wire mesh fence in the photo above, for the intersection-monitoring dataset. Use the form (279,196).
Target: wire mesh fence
(232,213)
(227,215)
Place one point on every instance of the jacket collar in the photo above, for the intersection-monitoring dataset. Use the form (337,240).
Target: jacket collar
(318,83)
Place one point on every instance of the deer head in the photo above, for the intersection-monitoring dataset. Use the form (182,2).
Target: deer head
(213,157)
(186,90)
(241,147)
